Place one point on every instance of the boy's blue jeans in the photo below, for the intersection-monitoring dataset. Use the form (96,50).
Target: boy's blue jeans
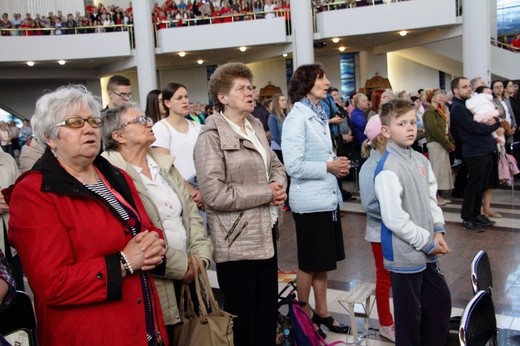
(422,307)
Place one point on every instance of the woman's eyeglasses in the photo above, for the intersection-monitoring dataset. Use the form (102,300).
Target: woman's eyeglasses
(79,122)
(143,120)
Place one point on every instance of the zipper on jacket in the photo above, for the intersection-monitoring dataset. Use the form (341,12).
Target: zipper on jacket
(235,224)
(237,235)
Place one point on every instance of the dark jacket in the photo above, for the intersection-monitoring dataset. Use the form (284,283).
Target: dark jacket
(476,137)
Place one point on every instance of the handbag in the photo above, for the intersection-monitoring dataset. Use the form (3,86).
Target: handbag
(211,326)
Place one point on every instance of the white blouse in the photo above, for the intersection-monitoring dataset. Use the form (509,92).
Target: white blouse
(168,204)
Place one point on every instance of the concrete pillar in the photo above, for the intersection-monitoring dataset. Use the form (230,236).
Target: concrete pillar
(302,35)
(476,48)
(145,49)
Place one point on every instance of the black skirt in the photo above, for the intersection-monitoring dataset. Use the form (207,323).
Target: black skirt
(319,240)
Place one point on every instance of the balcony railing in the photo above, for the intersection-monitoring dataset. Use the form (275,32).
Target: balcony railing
(504,45)
(70,31)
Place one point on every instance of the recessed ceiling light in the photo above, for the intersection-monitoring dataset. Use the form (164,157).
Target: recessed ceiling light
(30,63)
(61,62)
(403,32)
(335,39)
(243,48)
(200,61)
(284,55)
(342,49)
(182,54)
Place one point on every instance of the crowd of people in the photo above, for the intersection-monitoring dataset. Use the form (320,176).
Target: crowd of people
(94,19)
(169,14)
(183,179)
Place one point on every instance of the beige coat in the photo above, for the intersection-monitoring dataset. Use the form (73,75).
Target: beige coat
(198,242)
(232,180)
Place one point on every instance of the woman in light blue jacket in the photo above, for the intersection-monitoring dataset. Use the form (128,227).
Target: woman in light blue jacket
(315,196)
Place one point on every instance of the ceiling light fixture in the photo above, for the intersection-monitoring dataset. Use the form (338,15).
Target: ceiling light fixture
(342,49)
(200,61)
(30,63)
(403,33)
(284,55)
(182,54)
(335,39)
(243,48)
(61,62)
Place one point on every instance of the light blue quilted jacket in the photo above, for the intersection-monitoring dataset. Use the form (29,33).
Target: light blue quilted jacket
(306,148)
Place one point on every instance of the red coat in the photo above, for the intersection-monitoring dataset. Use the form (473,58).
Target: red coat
(68,242)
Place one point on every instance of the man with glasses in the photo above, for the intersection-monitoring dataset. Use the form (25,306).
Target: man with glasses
(477,148)
(119,91)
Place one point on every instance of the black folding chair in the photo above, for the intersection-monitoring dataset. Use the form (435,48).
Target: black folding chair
(478,326)
(19,315)
(481,277)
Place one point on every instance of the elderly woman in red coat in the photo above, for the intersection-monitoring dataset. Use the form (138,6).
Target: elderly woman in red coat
(84,239)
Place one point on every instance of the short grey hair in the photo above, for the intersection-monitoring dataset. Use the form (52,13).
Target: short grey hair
(112,122)
(357,98)
(56,106)
(473,82)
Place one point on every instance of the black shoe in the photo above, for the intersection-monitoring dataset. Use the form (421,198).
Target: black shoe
(329,323)
(483,220)
(472,226)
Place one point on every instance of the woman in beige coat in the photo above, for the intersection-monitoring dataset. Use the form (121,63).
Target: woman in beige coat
(242,183)
(127,135)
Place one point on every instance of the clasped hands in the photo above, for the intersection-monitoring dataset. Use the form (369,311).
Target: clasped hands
(145,251)
(279,194)
(441,247)
(340,166)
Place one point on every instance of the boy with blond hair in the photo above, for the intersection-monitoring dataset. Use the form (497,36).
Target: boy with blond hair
(412,233)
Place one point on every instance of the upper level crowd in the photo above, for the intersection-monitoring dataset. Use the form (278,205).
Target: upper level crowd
(103,18)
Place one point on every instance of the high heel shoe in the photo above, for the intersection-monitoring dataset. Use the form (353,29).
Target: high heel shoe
(329,323)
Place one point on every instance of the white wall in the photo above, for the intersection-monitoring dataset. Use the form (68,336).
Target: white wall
(194,78)
(407,75)
(56,47)
(272,71)
(331,65)
(397,16)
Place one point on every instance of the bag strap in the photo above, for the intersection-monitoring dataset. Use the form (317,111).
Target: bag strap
(186,306)
(202,283)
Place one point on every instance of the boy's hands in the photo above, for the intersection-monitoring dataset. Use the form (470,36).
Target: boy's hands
(441,247)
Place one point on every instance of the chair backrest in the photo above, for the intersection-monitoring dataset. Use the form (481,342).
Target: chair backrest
(481,277)
(20,314)
(478,325)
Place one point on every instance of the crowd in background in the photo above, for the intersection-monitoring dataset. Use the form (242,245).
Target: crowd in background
(170,13)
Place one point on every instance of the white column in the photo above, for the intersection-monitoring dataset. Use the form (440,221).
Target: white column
(476,47)
(144,48)
(302,40)
(493,28)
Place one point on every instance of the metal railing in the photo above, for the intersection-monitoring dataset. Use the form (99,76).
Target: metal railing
(70,31)
(504,45)
(239,17)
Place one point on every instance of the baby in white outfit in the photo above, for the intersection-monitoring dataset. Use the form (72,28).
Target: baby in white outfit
(483,110)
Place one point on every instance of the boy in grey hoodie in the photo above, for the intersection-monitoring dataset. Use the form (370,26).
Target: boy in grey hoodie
(412,233)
